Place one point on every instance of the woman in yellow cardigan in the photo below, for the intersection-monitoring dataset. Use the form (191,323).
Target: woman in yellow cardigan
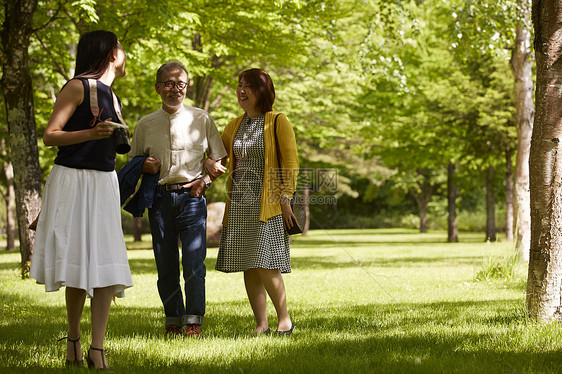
(254,239)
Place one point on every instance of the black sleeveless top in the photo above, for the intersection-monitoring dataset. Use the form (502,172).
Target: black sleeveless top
(93,154)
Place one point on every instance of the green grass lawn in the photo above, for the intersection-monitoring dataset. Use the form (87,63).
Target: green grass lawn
(388,300)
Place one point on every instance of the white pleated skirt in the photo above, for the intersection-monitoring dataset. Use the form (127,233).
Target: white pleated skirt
(79,240)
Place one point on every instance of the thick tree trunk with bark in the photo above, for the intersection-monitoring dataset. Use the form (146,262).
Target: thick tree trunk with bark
(522,65)
(490,205)
(508,196)
(452,228)
(545,260)
(18,97)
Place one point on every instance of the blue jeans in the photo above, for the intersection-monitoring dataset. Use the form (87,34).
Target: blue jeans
(178,214)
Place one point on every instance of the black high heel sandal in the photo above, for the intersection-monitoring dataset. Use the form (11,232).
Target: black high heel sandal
(75,362)
(90,362)
(286,333)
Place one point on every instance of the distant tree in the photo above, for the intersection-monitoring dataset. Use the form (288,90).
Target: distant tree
(488,28)
(432,106)
(452,227)
(509,196)
(522,66)
(8,195)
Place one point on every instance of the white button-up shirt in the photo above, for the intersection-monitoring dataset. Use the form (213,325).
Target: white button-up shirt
(180,141)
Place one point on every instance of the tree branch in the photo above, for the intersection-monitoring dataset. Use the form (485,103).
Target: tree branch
(76,24)
(2,57)
(60,69)
(53,17)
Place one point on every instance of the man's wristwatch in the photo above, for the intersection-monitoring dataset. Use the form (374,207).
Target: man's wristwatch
(207,182)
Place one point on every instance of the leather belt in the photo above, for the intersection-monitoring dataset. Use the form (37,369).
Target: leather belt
(174,187)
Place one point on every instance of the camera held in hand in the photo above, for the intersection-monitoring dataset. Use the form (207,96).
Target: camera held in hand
(120,138)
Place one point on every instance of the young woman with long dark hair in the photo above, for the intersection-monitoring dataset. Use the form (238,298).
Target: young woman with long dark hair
(79,242)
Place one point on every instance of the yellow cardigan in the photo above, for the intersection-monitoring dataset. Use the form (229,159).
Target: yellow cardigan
(272,188)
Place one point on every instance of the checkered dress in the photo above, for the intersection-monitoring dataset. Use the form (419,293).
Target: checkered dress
(246,242)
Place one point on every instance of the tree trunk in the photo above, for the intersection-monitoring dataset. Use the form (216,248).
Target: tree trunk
(202,92)
(306,196)
(423,197)
(10,208)
(18,97)
(10,200)
(490,205)
(137,229)
(522,64)
(545,260)
(202,85)
(452,228)
(508,196)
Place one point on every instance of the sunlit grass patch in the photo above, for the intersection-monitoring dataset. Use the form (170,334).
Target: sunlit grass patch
(389,300)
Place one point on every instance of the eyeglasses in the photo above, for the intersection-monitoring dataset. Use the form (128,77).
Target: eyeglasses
(171,84)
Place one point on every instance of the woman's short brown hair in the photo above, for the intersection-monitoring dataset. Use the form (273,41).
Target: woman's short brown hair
(261,84)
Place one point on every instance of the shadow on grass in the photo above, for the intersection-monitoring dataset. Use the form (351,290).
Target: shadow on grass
(131,246)
(9,265)
(353,238)
(323,243)
(144,266)
(324,262)
(390,338)
(410,243)
(147,265)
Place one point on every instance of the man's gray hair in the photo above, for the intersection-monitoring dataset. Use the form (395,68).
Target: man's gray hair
(170,65)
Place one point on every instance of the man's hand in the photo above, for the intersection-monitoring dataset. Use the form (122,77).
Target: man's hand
(197,187)
(151,165)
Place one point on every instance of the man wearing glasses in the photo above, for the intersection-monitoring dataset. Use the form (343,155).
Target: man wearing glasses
(176,139)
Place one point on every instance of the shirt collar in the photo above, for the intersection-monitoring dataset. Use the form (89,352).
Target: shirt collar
(176,113)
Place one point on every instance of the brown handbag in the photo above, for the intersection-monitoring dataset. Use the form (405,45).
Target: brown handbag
(297,202)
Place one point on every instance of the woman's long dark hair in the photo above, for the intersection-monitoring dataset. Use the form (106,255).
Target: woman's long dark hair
(94,53)
(262,85)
